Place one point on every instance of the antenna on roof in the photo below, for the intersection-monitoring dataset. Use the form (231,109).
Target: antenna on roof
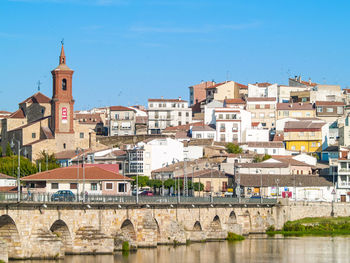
(39,83)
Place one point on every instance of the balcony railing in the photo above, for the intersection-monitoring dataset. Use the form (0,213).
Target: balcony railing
(222,129)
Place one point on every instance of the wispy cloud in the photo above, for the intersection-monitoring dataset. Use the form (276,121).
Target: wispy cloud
(203,29)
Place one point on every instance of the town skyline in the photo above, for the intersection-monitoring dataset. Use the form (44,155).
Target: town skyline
(143,57)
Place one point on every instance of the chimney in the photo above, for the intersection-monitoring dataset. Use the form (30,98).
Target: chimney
(179,98)
(310,81)
(295,78)
(299,79)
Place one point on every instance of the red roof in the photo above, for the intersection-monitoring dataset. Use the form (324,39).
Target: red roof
(70,173)
(329,103)
(18,114)
(262,84)
(255,124)
(37,98)
(120,108)
(8,189)
(184,127)
(114,168)
(234,101)
(166,100)
(242,86)
(294,106)
(216,85)
(261,99)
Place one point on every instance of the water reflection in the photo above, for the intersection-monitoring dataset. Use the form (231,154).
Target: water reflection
(253,249)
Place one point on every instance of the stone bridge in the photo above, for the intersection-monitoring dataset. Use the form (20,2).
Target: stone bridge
(53,230)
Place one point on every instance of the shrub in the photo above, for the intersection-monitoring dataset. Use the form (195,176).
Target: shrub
(125,246)
(271,229)
(234,237)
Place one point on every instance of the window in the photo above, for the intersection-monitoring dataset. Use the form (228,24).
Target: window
(64,146)
(33,135)
(187,114)
(274,151)
(339,110)
(64,84)
(210,135)
(319,109)
(329,109)
(262,106)
(109,186)
(272,115)
(301,133)
(93,186)
(313,144)
(116,116)
(121,187)
(302,148)
(198,136)
(179,114)
(262,115)
(164,105)
(81,135)
(308,114)
(253,115)
(179,123)
(293,147)
(73,186)
(285,113)
(221,116)
(54,185)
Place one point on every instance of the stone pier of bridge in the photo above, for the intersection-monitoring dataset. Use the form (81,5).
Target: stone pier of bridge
(34,230)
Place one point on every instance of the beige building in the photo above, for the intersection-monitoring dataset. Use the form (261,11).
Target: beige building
(44,124)
(295,110)
(122,121)
(263,111)
(225,90)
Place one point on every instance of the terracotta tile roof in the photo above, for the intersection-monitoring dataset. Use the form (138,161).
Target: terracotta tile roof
(37,98)
(166,100)
(304,125)
(70,173)
(184,127)
(69,154)
(295,106)
(181,135)
(234,101)
(284,180)
(329,103)
(18,114)
(264,165)
(265,144)
(114,168)
(8,189)
(290,160)
(5,176)
(262,84)
(260,99)
(120,108)
(179,165)
(206,173)
(216,85)
(47,132)
(255,124)
(3,112)
(279,137)
(203,128)
(241,86)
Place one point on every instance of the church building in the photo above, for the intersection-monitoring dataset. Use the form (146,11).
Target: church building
(44,124)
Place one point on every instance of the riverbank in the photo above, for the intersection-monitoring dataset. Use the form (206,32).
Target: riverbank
(316,226)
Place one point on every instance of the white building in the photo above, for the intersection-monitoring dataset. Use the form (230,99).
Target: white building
(257,135)
(209,112)
(193,152)
(203,132)
(232,124)
(163,113)
(6,180)
(270,148)
(161,152)
(265,89)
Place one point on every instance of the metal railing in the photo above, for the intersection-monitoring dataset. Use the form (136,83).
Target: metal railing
(128,199)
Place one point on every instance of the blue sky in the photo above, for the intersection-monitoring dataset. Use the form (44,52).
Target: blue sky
(125,51)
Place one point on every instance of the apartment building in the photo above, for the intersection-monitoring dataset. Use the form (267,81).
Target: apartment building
(198,91)
(262,110)
(295,110)
(329,111)
(121,121)
(224,90)
(306,136)
(163,113)
(264,89)
(231,124)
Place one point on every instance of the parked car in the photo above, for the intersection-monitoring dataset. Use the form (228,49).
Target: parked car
(147,193)
(255,197)
(63,195)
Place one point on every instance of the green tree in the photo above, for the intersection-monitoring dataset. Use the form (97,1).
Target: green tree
(196,186)
(233,148)
(142,181)
(9,164)
(51,163)
(259,159)
(266,157)
(9,151)
(155,184)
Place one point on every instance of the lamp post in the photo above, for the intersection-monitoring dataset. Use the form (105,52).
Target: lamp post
(277,190)
(261,185)
(12,145)
(238,182)
(77,153)
(83,190)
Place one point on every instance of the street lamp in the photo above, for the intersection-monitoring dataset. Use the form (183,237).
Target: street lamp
(12,145)
(194,167)
(261,185)
(277,190)
(83,190)
(162,175)
(238,182)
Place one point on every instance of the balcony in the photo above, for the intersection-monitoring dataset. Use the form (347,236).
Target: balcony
(344,170)
(222,129)
(234,129)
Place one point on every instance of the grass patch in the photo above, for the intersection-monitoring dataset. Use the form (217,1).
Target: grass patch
(234,237)
(318,226)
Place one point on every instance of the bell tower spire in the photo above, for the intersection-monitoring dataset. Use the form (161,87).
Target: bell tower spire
(62,55)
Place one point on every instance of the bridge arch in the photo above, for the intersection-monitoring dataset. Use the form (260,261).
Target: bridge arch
(60,228)
(232,219)
(216,224)
(9,233)
(197,226)
(128,230)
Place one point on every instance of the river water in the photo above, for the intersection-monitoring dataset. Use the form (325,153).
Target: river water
(258,248)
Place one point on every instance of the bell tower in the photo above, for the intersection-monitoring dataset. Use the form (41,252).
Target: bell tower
(62,106)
